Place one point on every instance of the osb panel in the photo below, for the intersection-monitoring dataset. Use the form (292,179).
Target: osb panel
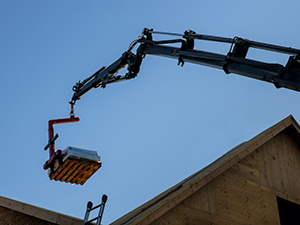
(247,168)
(279,164)
(243,201)
(235,197)
(182,214)
(246,193)
(203,199)
(11,217)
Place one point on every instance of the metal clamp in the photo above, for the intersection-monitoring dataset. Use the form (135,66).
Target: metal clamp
(51,141)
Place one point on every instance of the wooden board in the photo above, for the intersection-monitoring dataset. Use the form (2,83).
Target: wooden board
(182,214)
(13,212)
(279,165)
(203,199)
(74,171)
(243,201)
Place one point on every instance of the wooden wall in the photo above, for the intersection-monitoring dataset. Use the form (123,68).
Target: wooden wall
(246,192)
(13,212)
(11,217)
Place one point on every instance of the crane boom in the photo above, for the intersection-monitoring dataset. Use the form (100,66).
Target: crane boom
(287,76)
(76,165)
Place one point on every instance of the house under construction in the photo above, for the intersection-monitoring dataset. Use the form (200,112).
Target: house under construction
(257,182)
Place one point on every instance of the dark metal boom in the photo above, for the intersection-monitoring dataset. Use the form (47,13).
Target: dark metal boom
(287,76)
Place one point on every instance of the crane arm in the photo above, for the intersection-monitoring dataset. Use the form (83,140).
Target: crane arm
(234,61)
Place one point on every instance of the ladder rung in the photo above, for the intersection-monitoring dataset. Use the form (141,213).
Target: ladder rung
(95,207)
(91,220)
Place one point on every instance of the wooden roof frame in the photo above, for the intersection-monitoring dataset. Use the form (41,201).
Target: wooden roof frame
(159,205)
(37,212)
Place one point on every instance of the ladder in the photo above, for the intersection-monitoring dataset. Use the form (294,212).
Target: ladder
(90,208)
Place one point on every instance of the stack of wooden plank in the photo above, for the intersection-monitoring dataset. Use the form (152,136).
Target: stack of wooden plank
(76,166)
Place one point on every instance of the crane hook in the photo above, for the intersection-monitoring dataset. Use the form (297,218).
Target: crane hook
(72,114)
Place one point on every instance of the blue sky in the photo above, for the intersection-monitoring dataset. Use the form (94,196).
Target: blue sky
(152,131)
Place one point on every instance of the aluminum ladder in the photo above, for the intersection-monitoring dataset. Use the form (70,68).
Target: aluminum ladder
(90,208)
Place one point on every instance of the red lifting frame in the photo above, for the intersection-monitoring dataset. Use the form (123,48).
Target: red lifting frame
(52,153)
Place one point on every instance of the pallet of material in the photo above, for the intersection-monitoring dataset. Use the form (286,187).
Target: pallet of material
(76,166)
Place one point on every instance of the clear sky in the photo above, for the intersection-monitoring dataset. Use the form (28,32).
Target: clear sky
(152,131)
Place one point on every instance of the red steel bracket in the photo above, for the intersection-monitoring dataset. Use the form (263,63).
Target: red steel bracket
(51,145)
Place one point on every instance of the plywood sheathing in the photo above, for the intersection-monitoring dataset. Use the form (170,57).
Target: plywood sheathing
(231,161)
(36,214)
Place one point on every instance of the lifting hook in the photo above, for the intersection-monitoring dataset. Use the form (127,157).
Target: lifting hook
(72,114)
